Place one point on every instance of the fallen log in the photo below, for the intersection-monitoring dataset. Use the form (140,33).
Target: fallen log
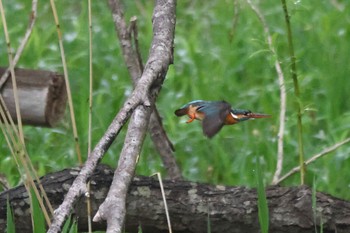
(42,96)
(191,205)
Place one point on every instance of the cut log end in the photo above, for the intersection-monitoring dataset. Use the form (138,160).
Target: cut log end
(56,100)
(42,96)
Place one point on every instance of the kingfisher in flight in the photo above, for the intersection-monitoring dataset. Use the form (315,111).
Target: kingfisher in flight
(215,114)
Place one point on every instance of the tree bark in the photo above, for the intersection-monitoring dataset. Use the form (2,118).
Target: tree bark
(191,205)
(160,58)
(132,58)
(42,96)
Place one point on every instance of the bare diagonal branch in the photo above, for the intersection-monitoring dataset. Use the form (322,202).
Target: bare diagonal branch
(161,56)
(134,64)
(145,92)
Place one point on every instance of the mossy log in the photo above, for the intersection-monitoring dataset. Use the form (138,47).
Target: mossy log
(191,206)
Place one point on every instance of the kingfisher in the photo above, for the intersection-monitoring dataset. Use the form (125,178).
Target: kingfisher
(215,114)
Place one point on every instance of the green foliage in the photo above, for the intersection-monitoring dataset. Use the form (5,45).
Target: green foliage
(314,204)
(9,221)
(263,209)
(209,65)
(316,215)
(208,222)
(70,226)
(37,215)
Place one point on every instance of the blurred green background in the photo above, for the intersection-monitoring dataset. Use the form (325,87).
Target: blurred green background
(214,60)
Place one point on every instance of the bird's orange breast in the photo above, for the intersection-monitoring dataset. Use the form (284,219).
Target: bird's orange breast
(192,112)
(230,120)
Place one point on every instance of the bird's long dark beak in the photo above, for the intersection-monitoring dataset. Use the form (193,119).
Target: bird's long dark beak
(258,115)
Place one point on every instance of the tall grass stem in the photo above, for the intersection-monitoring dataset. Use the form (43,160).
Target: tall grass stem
(88,200)
(12,71)
(296,92)
(65,71)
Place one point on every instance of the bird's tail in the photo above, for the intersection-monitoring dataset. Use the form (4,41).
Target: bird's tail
(181,112)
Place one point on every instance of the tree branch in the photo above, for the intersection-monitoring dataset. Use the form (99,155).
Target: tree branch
(134,64)
(113,208)
(145,92)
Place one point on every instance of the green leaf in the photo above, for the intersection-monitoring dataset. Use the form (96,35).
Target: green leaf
(70,226)
(263,209)
(314,206)
(10,220)
(208,222)
(37,214)
(74,227)
(140,229)
(66,225)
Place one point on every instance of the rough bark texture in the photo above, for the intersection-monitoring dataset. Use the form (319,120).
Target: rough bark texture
(42,96)
(145,93)
(133,61)
(191,205)
(160,57)
(113,208)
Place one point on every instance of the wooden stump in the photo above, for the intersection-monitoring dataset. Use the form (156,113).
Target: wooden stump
(42,96)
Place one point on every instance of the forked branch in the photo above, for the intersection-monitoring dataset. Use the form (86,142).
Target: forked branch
(144,94)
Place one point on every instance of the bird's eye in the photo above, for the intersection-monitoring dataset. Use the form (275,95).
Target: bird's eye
(248,112)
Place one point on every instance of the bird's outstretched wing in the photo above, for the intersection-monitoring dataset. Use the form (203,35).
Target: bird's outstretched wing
(184,109)
(215,115)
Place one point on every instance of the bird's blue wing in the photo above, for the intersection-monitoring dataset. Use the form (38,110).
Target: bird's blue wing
(215,115)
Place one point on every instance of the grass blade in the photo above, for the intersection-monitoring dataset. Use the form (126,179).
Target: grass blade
(263,209)
(208,222)
(66,226)
(296,93)
(37,214)
(10,220)
(74,227)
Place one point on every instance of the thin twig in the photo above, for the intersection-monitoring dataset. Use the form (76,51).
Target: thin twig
(134,35)
(159,176)
(88,199)
(23,43)
(296,93)
(313,159)
(234,19)
(20,155)
(12,71)
(20,149)
(65,72)
(283,96)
